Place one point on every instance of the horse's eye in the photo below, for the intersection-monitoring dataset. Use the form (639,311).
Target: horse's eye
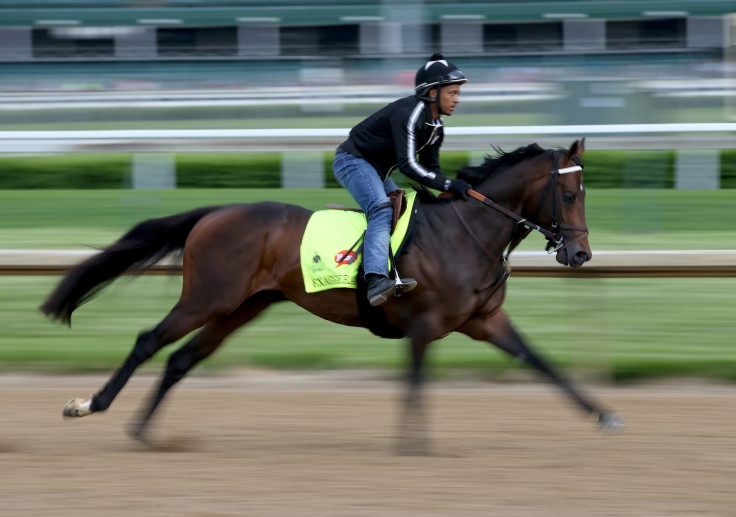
(568,197)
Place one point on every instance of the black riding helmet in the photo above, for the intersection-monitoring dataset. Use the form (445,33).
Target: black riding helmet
(436,73)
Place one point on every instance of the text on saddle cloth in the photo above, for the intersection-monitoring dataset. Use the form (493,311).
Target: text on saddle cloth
(330,248)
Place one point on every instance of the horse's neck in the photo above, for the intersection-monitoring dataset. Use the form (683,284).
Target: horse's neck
(465,224)
(469,228)
(511,187)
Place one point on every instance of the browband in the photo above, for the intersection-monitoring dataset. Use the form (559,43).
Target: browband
(574,168)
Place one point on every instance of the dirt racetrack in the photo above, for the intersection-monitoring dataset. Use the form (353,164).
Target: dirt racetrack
(323,445)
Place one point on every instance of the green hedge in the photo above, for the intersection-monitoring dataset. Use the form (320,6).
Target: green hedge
(69,171)
(228,170)
(629,169)
(728,168)
(603,169)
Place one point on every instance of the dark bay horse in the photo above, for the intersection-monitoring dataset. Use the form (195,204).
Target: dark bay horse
(239,259)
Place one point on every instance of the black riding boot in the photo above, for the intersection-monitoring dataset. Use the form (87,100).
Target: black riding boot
(380,287)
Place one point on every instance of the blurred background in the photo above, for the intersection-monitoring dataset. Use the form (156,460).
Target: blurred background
(186,64)
(268,90)
(631,61)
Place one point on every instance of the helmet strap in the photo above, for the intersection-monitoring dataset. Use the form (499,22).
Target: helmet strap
(437,99)
(439,103)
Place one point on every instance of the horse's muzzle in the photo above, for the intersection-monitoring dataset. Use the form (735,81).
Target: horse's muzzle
(574,256)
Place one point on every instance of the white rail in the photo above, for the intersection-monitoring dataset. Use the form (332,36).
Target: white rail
(605,264)
(155,134)
(603,136)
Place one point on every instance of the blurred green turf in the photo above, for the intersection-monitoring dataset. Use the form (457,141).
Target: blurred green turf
(610,329)
(606,329)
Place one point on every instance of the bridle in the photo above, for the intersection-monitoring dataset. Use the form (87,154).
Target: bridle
(555,239)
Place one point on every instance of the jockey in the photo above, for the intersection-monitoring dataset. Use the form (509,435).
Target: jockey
(406,134)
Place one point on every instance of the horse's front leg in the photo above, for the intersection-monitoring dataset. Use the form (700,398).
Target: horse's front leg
(498,330)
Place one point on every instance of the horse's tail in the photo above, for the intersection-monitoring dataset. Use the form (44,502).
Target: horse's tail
(141,247)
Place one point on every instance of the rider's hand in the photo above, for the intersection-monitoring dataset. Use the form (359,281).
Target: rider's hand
(459,187)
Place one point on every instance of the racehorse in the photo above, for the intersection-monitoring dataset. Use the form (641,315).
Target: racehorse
(239,259)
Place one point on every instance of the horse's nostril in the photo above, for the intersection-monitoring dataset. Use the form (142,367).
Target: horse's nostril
(582,256)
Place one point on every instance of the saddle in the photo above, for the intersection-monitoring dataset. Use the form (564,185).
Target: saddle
(398,203)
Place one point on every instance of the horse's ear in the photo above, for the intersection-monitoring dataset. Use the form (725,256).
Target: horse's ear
(576,149)
(581,146)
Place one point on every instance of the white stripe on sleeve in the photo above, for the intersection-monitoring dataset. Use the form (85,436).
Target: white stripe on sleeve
(411,145)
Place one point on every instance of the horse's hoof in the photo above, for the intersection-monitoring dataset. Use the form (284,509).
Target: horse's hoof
(611,423)
(77,407)
(136,430)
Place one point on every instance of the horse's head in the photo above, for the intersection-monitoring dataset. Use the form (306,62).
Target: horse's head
(542,190)
(560,206)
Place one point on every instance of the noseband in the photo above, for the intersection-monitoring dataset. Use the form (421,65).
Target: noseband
(555,239)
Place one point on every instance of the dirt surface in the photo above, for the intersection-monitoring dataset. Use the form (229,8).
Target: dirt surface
(324,445)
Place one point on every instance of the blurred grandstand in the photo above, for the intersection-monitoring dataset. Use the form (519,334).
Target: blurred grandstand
(547,62)
(193,44)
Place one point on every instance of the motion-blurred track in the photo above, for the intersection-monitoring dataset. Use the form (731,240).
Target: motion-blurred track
(288,445)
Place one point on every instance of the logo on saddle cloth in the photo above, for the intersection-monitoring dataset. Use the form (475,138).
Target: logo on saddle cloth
(330,252)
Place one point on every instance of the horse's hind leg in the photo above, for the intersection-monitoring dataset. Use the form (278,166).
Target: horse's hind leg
(412,438)
(498,330)
(183,318)
(200,347)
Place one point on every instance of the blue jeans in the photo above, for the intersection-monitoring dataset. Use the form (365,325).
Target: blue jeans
(361,179)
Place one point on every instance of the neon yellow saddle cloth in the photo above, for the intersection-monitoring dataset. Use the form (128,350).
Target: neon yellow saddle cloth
(326,259)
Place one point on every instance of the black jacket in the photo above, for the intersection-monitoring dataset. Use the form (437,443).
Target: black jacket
(393,136)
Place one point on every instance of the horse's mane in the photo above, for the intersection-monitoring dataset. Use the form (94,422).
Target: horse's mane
(474,175)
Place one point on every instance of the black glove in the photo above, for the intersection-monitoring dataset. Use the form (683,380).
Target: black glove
(459,187)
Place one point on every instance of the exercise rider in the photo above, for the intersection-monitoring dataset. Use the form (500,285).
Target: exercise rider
(406,134)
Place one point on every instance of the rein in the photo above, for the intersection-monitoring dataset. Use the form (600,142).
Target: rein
(556,241)
(513,215)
